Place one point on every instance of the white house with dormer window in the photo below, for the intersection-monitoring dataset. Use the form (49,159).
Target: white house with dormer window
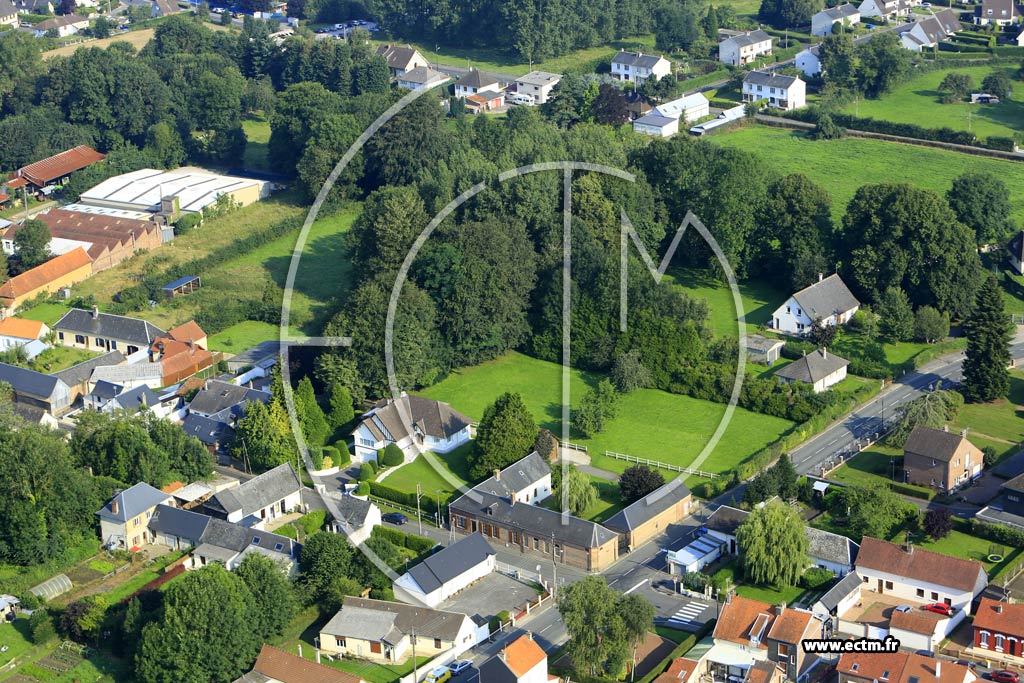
(828,300)
(414,424)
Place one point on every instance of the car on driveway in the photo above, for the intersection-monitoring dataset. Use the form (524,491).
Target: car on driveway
(902,608)
(396,518)
(459,665)
(940,608)
(1005,676)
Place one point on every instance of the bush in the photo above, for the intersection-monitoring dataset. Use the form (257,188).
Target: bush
(312,522)
(989,456)
(366,472)
(330,452)
(816,578)
(911,491)
(499,619)
(997,533)
(344,457)
(392,455)
(375,465)
(385,593)
(363,489)
(317,456)
(695,581)
(428,504)
(41,628)
(1003,144)
(417,544)
(187,222)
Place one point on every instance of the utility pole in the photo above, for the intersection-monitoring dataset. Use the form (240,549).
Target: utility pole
(419,518)
(554,567)
(415,667)
(438,515)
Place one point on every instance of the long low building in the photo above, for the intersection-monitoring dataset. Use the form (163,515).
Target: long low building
(185,190)
(59,166)
(47,278)
(447,572)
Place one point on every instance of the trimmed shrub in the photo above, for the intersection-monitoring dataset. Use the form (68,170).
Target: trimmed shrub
(391,455)
(363,489)
(312,522)
(428,504)
(911,491)
(997,533)
(366,472)
(41,627)
(344,457)
(417,544)
(332,453)
(317,456)
(187,222)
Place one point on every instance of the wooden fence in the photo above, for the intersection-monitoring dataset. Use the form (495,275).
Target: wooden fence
(662,465)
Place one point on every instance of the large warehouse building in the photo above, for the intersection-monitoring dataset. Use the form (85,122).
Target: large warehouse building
(185,190)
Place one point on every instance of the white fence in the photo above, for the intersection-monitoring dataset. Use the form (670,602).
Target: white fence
(661,465)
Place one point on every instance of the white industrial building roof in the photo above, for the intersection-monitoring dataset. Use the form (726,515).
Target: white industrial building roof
(142,190)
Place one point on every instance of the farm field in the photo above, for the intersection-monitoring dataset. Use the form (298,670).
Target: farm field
(917,101)
(833,163)
(649,423)
(136,39)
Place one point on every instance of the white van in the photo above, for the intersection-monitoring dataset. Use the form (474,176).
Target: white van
(522,99)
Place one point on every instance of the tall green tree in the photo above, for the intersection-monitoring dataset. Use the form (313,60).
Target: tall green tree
(932,409)
(341,409)
(636,481)
(273,594)
(955,87)
(609,107)
(262,436)
(204,633)
(773,545)
(798,216)
(710,23)
(32,243)
(870,511)
(989,331)
(603,625)
(505,435)
(324,558)
(311,416)
(580,491)
(930,325)
(981,201)
(896,315)
(838,58)
(788,13)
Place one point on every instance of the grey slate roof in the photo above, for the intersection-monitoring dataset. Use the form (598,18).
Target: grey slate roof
(211,432)
(757,342)
(475,79)
(421,74)
(749,38)
(136,398)
(726,520)
(840,12)
(7,8)
(236,538)
(77,374)
(813,367)
(534,520)
(257,493)
(132,501)
(933,443)
(257,354)
(651,505)
(109,326)
(430,417)
(1016,246)
(824,545)
(353,510)
(451,562)
(834,596)
(938,27)
(771,80)
(177,522)
(1016,484)
(654,119)
(518,476)
(218,396)
(28,382)
(827,297)
(636,59)
(105,389)
(389,621)
(398,56)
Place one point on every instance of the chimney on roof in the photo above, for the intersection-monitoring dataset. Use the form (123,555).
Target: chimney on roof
(318,655)
(945,428)
(963,432)
(824,352)
(114,506)
(95,312)
(910,548)
(999,608)
(938,668)
(497,475)
(300,649)
(821,276)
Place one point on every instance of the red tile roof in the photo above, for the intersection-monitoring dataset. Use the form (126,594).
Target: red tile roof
(42,275)
(16,183)
(874,666)
(185,332)
(101,231)
(789,627)
(59,165)
(921,565)
(679,671)
(289,668)
(924,670)
(763,671)
(1000,617)
(180,359)
(522,655)
(21,328)
(740,617)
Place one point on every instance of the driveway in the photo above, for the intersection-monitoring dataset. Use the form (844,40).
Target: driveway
(490,595)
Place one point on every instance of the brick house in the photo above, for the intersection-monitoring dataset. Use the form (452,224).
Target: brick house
(999,628)
(940,459)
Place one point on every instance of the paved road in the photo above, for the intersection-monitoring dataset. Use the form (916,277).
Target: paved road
(866,422)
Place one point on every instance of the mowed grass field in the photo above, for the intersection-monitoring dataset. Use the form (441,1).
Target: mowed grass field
(649,423)
(1002,421)
(759,300)
(257,137)
(917,101)
(841,166)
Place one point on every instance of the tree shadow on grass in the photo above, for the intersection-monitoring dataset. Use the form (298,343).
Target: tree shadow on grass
(324,275)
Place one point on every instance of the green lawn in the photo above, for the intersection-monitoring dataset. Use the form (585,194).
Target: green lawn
(604,506)
(99,667)
(420,471)
(959,544)
(59,357)
(257,135)
(1000,419)
(917,101)
(840,166)
(244,335)
(48,313)
(649,423)
(759,299)
(873,467)
(770,594)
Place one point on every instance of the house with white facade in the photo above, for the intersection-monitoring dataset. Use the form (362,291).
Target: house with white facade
(446,572)
(819,368)
(844,15)
(1015,249)
(353,516)
(538,85)
(921,576)
(828,300)
(636,67)
(998,12)
(666,119)
(258,500)
(24,334)
(885,9)
(401,59)
(475,82)
(780,92)
(930,31)
(524,481)
(808,61)
(420,77)
(521,661)
(413,423)
(8,13)
(744,48)
(64,26)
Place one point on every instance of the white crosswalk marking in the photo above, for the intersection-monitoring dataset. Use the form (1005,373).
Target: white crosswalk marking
(689,611)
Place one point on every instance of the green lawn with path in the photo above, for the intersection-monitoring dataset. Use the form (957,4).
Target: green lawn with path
(917,101)
(649,423)
(420,471)
(840,166)
(244,335)
(257,136)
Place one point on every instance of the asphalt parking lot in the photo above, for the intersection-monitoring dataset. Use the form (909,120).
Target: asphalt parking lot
(490,595)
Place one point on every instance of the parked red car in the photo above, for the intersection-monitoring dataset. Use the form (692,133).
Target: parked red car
(941,608)
(1006,676)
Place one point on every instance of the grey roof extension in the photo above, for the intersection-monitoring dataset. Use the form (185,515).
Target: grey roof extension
(109,326)
(181,523)
(218,396)
(236,538)
(826,297)
(835,595)
(383,620)
(137,398)
(451,562)
(726,520)
(839,13)
(651,505)
(636,59)
(133,501)
(77,374)
(475,79)
(749,38)
(387,419)
(7,8)
(28,382)
(518,476)
(824,545)
(813,367)
(257,493)
(771,80)
(211,432)
(933,443)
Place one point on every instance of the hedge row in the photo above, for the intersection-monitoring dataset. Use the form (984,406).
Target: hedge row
(427,503)
(681,649)
(912,491)
(907,130)
(417,544)
(997,533)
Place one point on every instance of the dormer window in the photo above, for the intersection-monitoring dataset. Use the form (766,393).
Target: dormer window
(885,675)
(856,665)
(255,540)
